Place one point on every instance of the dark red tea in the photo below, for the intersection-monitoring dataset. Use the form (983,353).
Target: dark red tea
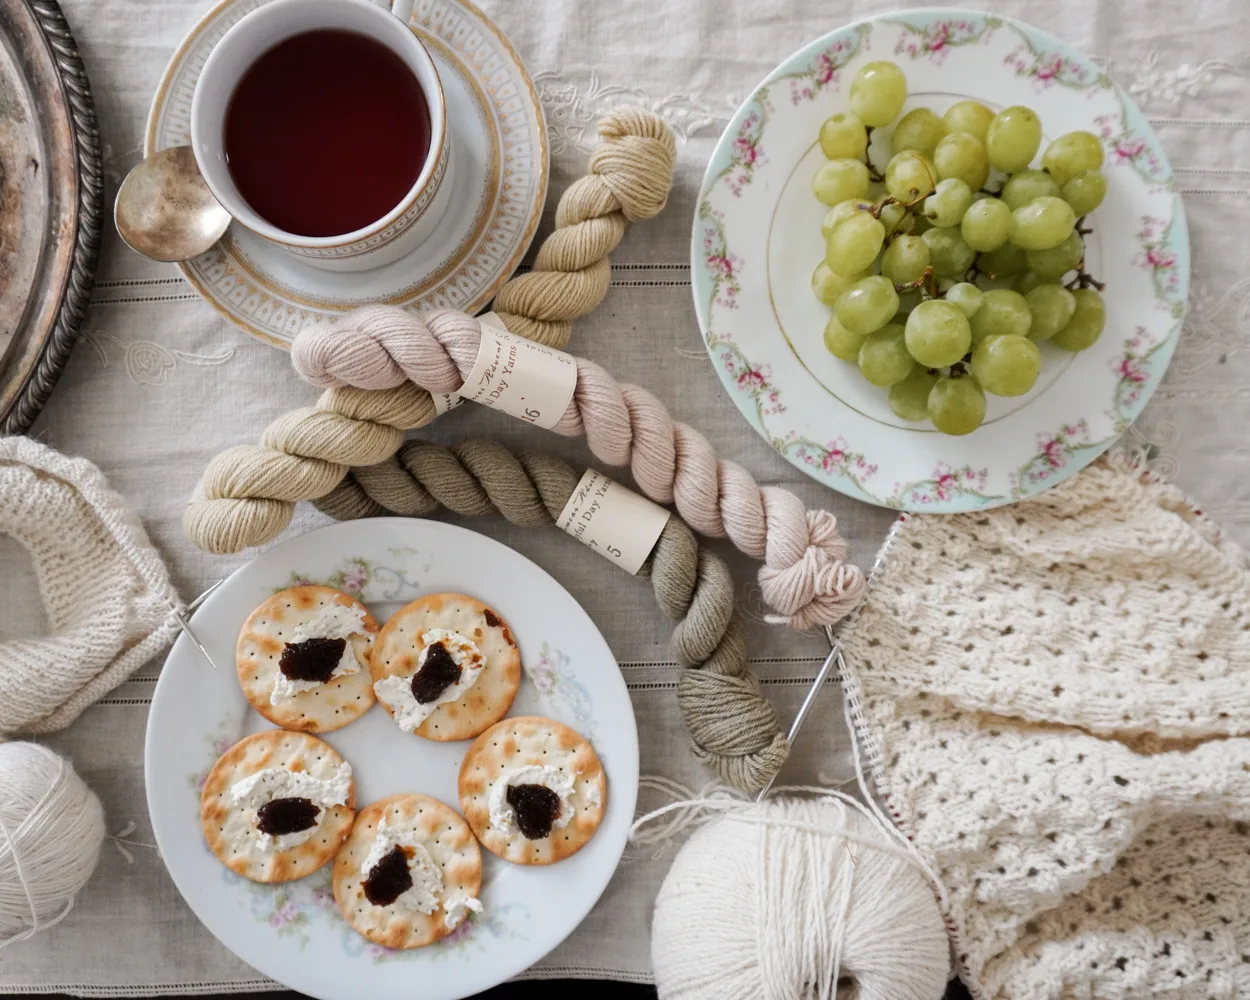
(326,133)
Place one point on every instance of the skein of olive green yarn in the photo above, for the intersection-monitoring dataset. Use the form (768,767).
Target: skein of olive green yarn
(733,728)
(248,493)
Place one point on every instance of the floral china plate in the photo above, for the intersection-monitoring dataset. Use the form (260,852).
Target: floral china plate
(293,932)
(499,140)
(757,239)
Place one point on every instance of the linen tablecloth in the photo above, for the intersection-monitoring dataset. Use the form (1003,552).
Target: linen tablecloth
(159,383)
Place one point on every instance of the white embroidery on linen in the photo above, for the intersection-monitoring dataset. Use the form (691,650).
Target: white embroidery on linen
(1153,84)
(572,109)
(149,363)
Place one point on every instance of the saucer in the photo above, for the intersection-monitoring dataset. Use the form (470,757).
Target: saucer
(499,141)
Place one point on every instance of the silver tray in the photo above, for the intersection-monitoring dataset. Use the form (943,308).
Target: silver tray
(51,201)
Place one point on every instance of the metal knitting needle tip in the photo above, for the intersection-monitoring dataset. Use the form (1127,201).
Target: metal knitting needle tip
(809,701)
(185,624)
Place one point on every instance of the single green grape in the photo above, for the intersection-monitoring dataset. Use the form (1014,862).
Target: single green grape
(1052,307)
(905,259)
(1002,311)
(840,180)
(1043,223)
(987,225)
(956,405)
(909,398)
(949,255)
(963,155)
(828,285)
(972,117)
(843,137)
(877,93)
(1004,262)
(1012,139)
(883,357)
(1085,326)
(894,217)
(920,129)
(909,176)
(1058,260)
(1023,187)
(842,210)
(946,206)
(854,244)
(867,305)
(966,296)
(1072,154)
(840,342)
(1006,365)
(1085,191)
(1028,279)
(937,333)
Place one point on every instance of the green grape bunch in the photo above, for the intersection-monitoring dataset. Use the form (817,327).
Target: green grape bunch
(940,288)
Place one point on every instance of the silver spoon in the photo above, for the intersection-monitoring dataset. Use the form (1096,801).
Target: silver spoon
(165,211)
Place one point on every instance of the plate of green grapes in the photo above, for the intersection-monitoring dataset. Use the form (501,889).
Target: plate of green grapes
(939,260)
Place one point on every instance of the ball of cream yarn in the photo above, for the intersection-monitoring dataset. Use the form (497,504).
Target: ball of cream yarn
(51,829)
(757,906)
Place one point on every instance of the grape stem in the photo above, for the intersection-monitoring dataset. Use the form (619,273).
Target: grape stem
(1083,278)
(873,172)
(927,282)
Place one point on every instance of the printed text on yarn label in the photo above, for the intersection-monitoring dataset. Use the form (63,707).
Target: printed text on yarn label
(444,401)
(521,378)
(613,520)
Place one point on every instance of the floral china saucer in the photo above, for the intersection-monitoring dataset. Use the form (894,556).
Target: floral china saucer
(499,140)
(292,931)
(757,239)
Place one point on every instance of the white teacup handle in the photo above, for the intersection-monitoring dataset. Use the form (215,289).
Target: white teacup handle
(402,9)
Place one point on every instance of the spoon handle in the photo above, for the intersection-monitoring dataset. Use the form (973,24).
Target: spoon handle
(402,9)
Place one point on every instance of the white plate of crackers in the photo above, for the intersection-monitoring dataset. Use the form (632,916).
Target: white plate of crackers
(409,770)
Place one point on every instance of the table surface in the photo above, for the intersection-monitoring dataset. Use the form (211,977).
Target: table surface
(159,384)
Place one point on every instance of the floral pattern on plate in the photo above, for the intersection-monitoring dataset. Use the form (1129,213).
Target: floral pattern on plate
(755,241)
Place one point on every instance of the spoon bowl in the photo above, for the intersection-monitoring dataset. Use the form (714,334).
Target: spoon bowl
(165,211)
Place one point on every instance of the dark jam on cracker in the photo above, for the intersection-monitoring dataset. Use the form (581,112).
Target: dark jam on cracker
(389,878)
(492,619)
(537,808)
(312,659)
(437,674)
(279,816)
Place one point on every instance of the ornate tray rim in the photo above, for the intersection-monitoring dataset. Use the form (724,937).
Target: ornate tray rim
(76,286)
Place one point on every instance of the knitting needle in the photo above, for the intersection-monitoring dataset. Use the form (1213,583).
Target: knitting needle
(834,657)
(185,624)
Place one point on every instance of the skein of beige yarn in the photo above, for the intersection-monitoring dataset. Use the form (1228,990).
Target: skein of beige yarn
(248,494)
(51,830)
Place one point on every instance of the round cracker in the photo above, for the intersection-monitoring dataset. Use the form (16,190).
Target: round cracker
(451,845)
(273,748)
(321,709)
(530,740)
(398,647)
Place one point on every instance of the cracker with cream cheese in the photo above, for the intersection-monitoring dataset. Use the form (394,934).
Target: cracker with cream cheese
(437,843)
(282,627)
(525,752)
(231,826)
(397,659)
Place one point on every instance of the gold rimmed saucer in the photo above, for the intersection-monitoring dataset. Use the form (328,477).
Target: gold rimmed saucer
(499,141)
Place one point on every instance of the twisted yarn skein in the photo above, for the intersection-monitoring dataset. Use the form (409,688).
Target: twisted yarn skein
(248,494)
(797,898)
(805,578)
(51,829)
(734,730)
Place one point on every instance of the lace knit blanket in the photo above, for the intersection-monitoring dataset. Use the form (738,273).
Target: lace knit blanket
(1054,698)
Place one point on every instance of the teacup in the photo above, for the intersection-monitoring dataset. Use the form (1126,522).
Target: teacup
(407,223)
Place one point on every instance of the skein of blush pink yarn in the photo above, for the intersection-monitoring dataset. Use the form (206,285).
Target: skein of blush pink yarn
(805,578)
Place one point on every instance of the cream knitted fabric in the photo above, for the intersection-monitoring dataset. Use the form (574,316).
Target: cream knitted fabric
(1053,698)
(106,593)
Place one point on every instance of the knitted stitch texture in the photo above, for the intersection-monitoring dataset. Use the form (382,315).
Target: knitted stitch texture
(106,593)
(1053,697)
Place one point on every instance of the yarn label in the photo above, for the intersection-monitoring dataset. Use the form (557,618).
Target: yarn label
(444,401)
(614,521)
(526,380)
